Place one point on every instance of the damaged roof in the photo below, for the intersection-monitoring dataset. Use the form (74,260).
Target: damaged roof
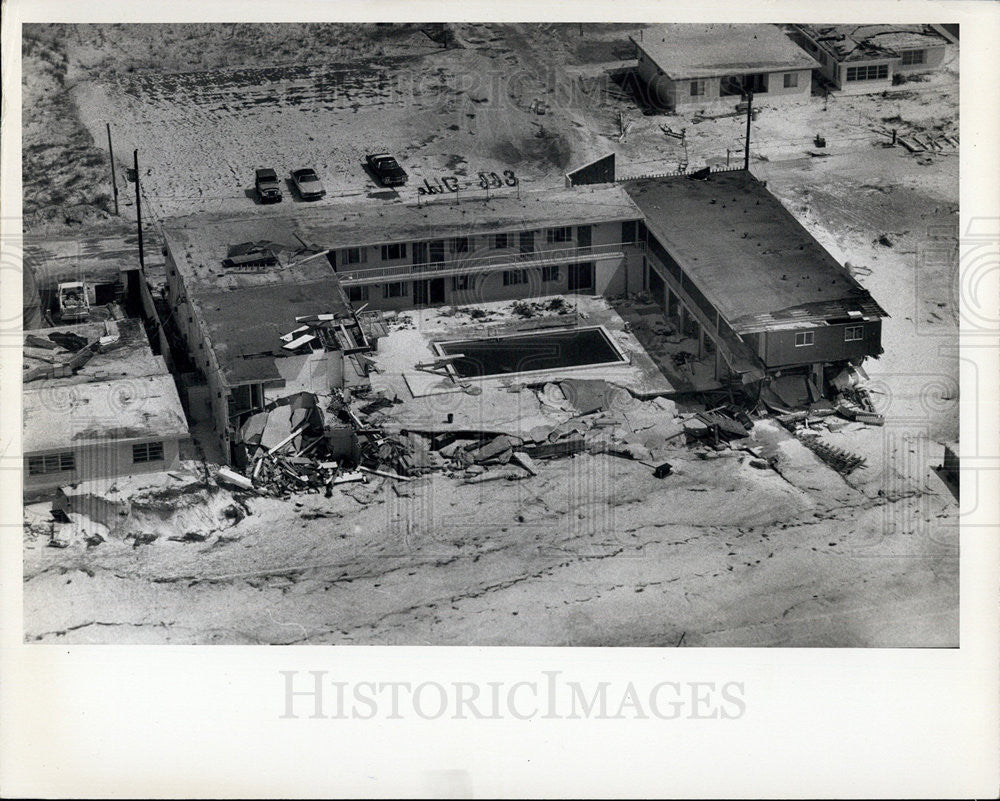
(131,357)
(746,252)
(122,393)
(702,51)
(865,42)
(245,326)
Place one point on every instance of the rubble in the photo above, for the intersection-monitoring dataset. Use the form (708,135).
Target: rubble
(63,353)
(356,442)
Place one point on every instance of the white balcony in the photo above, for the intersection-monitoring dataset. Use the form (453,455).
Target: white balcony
(358,275)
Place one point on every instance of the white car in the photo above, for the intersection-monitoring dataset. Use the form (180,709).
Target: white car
(308,184)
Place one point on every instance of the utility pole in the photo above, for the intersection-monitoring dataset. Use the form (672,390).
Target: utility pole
(138,210)
(746,149)
(114,181)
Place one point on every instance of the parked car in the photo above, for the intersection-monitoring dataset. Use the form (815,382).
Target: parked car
(74,303)
(386,169)
(267,186)
(308,184)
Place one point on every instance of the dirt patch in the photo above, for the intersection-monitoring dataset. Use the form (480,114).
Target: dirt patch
(546,148)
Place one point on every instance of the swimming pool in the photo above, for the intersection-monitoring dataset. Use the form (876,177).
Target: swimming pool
(532,351)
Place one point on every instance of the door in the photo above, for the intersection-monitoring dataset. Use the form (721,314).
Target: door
(419,252)
(581,277)
(527,242)
(583,236)
(428,291)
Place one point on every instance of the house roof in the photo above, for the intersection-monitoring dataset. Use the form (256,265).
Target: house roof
(124,393)
(746,252)
(688,50)
(101,412)
(867,42)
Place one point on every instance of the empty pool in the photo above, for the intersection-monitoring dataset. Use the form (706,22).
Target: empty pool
(532,352)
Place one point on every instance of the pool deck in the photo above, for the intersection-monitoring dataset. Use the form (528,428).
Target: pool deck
(497,403)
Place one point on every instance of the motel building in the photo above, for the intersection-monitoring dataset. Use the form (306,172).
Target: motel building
(760,295)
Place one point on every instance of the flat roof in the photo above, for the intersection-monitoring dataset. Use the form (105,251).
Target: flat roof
(199,243)
(245,326)
(865,42)
(746,252)
(101,412)
(132,358)
(688,50)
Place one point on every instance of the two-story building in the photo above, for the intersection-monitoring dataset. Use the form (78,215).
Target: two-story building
(733,267)
(687,65)
(722,256)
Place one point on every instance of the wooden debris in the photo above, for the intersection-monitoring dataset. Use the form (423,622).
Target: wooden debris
(840,460)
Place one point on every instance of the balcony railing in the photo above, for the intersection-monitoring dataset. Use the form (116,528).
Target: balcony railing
(354,275)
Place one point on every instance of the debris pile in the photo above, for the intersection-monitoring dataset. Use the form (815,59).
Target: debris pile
(63,353)
(295,446)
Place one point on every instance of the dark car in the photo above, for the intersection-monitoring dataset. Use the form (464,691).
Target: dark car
(386,169)
(307,182)
(267,186)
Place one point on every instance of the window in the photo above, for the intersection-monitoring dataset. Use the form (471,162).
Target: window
(147,452)
(436,249)
(511,277)
(397,251)
(240,400)
(803,338)
(550,274)
(357,294)
(854,333)
(499,241)
(52,463)
(791,80)
(559,234)
(355,256)
(870,73)
(460,244)
(460,283)
(913,57)
(697,88)
(629,231)
(400,289)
